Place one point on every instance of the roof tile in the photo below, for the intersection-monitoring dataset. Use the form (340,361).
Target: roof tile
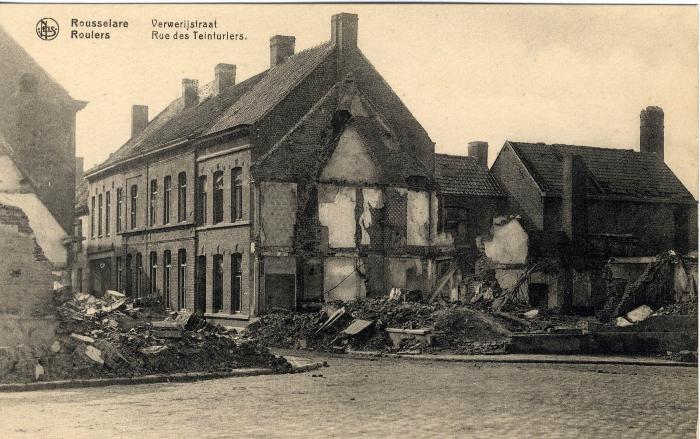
(621,172)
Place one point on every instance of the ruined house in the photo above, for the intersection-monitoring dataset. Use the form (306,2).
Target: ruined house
(468,200)
(308,182)
(581,205)
(37,184)
(38,124)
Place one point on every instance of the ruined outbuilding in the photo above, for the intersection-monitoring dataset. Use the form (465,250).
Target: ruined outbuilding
(582,205)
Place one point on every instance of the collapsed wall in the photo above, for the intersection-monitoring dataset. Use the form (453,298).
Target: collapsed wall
(26,280)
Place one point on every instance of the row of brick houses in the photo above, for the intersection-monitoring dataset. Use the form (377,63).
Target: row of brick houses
(308,182)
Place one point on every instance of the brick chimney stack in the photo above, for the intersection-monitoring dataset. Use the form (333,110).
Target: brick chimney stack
(344,36)
(480,151)
(281,48)
(139,118)
(574,215)
(651,131)
(224,77)
(190,92)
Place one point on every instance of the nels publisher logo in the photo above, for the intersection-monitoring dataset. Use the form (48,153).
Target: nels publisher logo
(47,29)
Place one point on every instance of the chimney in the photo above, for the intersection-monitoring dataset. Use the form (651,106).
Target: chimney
(574,216)
(344,36)
(480,151)
(281,48)
(190,92)
(139,119)
(651,131)
(224,77)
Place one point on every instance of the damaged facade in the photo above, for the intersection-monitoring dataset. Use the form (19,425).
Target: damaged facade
(37,186)
(580,205)
(310,181)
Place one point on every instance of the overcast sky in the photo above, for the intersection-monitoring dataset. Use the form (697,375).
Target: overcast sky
(564,74)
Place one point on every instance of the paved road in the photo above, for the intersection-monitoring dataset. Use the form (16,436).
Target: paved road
(379,398)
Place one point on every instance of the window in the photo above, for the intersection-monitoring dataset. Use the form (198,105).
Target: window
(120,270)
(134,200)
(99,215)
(218,208)
(181,277)
(80,279)
(167,265)
(218,283)
(456,219)
(92,217)
(108,203)
(120,197)
(167,188)
(153,259)
(153,202)
(236,276)
(236,195)
(200,289)
(181,196)
(202,199)
(139,275)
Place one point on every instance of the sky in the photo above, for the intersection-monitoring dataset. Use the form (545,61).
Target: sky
(537,73)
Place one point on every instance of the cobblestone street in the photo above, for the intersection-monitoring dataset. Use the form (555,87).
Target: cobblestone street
(379,398)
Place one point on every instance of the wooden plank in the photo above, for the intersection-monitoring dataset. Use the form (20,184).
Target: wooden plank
(443,281)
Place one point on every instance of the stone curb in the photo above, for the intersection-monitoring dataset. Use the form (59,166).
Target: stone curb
(149,379)
(529,359)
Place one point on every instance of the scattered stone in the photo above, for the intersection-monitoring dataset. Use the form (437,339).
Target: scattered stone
(83,338)
(94,354)
(55,346)
(38,371)
(152,350)
(639,314)
(531,314)
(621,322)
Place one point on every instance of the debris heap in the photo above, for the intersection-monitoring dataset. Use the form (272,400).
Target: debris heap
(115,336)
(383,324)
(665,283)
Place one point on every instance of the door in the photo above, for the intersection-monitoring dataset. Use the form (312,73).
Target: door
(100,276)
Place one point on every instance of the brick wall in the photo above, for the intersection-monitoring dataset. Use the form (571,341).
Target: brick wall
(26,307)
(523,194)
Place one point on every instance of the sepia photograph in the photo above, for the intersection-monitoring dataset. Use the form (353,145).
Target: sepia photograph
(348,220)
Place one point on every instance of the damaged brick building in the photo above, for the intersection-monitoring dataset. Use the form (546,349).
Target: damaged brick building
(581,205)
(37,185)
(307,182)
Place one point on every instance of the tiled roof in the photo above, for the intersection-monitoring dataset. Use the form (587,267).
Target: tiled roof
(619,172)
(464,175)
(305,149)
(242,104)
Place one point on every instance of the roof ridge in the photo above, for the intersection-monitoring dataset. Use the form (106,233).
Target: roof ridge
(604,148)
(455,155)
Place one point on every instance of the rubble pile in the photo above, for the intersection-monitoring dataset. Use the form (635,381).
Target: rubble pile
(370,324)
(665,283)
(114,336)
